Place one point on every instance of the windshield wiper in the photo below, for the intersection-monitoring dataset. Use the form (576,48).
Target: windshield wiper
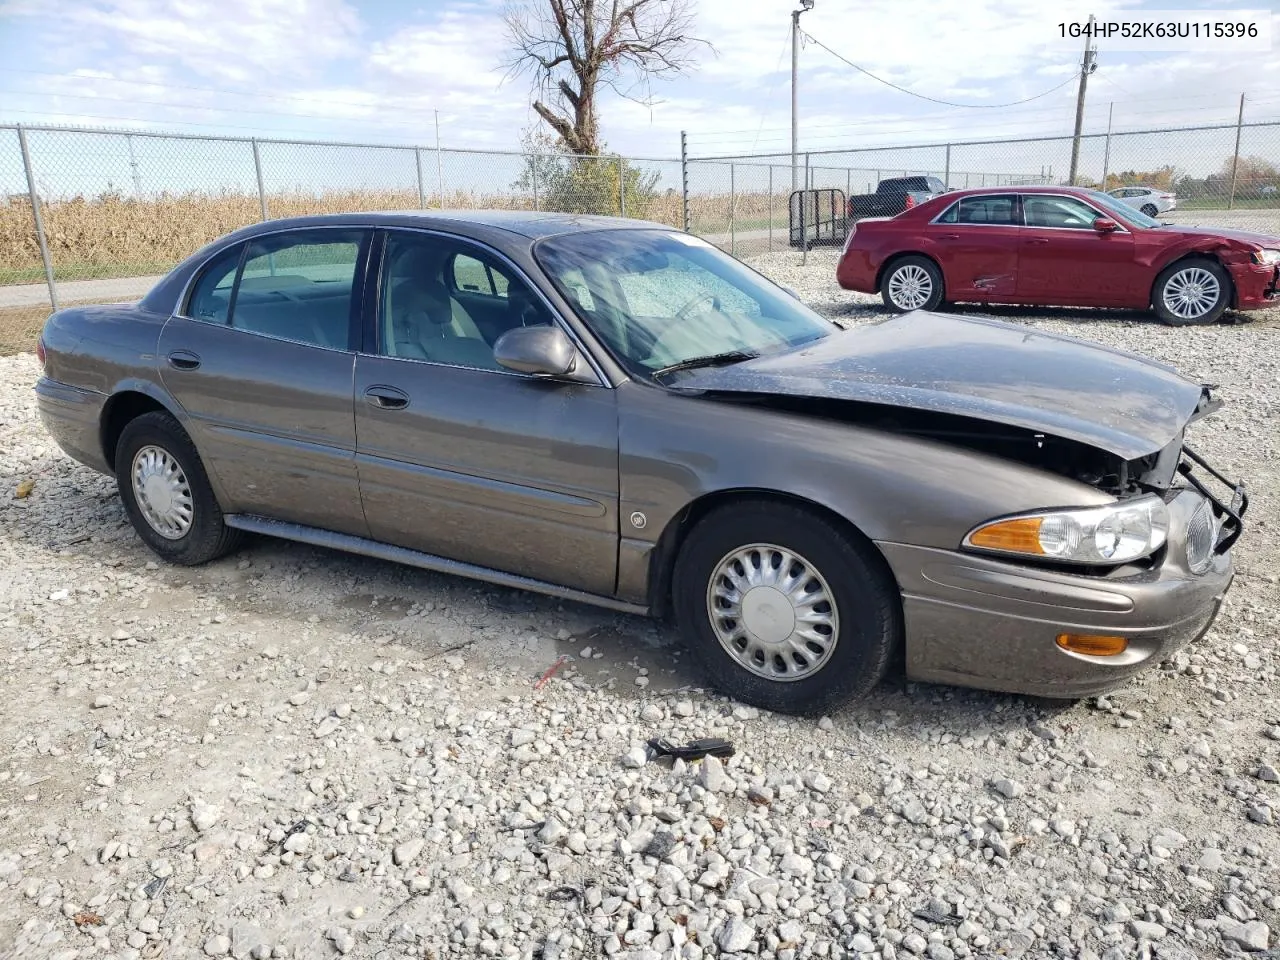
(711,360)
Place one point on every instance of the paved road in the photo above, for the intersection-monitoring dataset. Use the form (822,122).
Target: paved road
(76,291)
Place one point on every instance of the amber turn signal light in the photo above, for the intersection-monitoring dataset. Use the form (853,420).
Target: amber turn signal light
(1093,645)
(1021,535)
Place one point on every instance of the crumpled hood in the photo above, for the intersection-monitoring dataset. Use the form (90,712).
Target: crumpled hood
(981,368)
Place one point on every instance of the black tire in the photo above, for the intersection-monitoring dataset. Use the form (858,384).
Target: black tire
(858,581)
(936,290)
(1170,318)
(1150,209)
(207,537)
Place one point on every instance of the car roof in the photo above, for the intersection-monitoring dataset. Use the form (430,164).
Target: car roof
(1039,188)
(526,223)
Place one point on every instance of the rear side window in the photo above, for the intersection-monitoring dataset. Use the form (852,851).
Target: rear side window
(211,298)
(298,286)
(995,211)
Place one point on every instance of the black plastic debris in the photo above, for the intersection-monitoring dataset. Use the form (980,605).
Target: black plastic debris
(661,845)
(694,750)
(937,911)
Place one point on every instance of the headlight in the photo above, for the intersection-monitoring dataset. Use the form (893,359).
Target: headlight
(1114,534)
(1267,256)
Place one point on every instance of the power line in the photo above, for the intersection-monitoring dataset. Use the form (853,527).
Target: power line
(921,96)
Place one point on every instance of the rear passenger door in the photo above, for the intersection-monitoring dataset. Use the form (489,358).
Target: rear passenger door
(261,358)
(976,239)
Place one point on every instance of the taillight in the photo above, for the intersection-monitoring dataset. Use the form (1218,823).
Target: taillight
(911,202)
(40,351)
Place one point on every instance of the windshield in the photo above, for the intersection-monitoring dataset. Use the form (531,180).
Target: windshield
(1121,209)
(659,298)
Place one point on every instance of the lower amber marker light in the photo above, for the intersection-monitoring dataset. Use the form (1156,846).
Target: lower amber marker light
(1093,645)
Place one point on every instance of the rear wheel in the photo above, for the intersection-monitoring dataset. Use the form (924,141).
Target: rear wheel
(912,283)
(1150,209)
(166,492)
(1192,291)
(784,611)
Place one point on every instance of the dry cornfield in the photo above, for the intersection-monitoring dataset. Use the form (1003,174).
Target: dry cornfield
(115,236)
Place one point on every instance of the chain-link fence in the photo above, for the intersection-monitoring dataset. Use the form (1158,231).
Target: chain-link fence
(95,215)
(113,210)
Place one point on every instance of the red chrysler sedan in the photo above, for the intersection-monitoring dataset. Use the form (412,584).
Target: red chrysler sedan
(1060,246)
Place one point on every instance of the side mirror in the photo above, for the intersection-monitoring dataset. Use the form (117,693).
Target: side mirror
(1105,225)
(543,351)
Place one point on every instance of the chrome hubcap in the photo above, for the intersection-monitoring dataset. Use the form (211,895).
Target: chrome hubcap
(162,492)
(910,287)
(773,612)
(1191,293)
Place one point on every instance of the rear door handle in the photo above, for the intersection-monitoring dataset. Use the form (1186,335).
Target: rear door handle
(386,398)
(1038,240)
(184,360)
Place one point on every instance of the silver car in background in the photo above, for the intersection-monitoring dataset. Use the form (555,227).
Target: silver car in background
(618,413)
(1150,200)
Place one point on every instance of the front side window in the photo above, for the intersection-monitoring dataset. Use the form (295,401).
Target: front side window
(211,297)
(298,286)
(475,276)
(1123,211)
(1064,213)
(658,298)
(994,210)
(447,302)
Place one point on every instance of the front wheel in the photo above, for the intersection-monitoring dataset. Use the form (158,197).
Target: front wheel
(784,611)
(912,283)
(166,492)
(1192,291)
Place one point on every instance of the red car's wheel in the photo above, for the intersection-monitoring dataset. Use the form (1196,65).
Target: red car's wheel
(912,283)
(1192,291)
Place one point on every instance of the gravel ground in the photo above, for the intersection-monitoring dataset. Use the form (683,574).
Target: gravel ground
(295,753)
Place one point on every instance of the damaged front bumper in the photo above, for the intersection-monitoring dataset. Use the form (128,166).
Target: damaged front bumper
(980,621)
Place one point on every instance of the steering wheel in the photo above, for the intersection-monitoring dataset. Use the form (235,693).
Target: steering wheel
(697,300)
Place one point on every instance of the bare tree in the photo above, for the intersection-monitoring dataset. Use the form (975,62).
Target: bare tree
(573,46)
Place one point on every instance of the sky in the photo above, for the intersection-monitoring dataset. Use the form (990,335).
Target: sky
(382,71)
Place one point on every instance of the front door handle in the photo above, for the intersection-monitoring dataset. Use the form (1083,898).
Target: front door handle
(386,398)
(184,360)
(950,236)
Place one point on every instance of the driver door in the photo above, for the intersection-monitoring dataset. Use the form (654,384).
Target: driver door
(461,458)
(1064,260)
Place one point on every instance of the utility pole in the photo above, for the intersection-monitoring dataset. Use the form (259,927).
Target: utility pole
(805,6)
(1106,154)
(1087,66)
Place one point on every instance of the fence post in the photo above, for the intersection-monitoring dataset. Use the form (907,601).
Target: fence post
(946,174)
(417,162)
(622,186)
(439,162)
(769,205)
(804,231)
(533,177)
(257,170)
(684,179)
(1235,157)
(733,209)
(35,214)
(1106,152)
